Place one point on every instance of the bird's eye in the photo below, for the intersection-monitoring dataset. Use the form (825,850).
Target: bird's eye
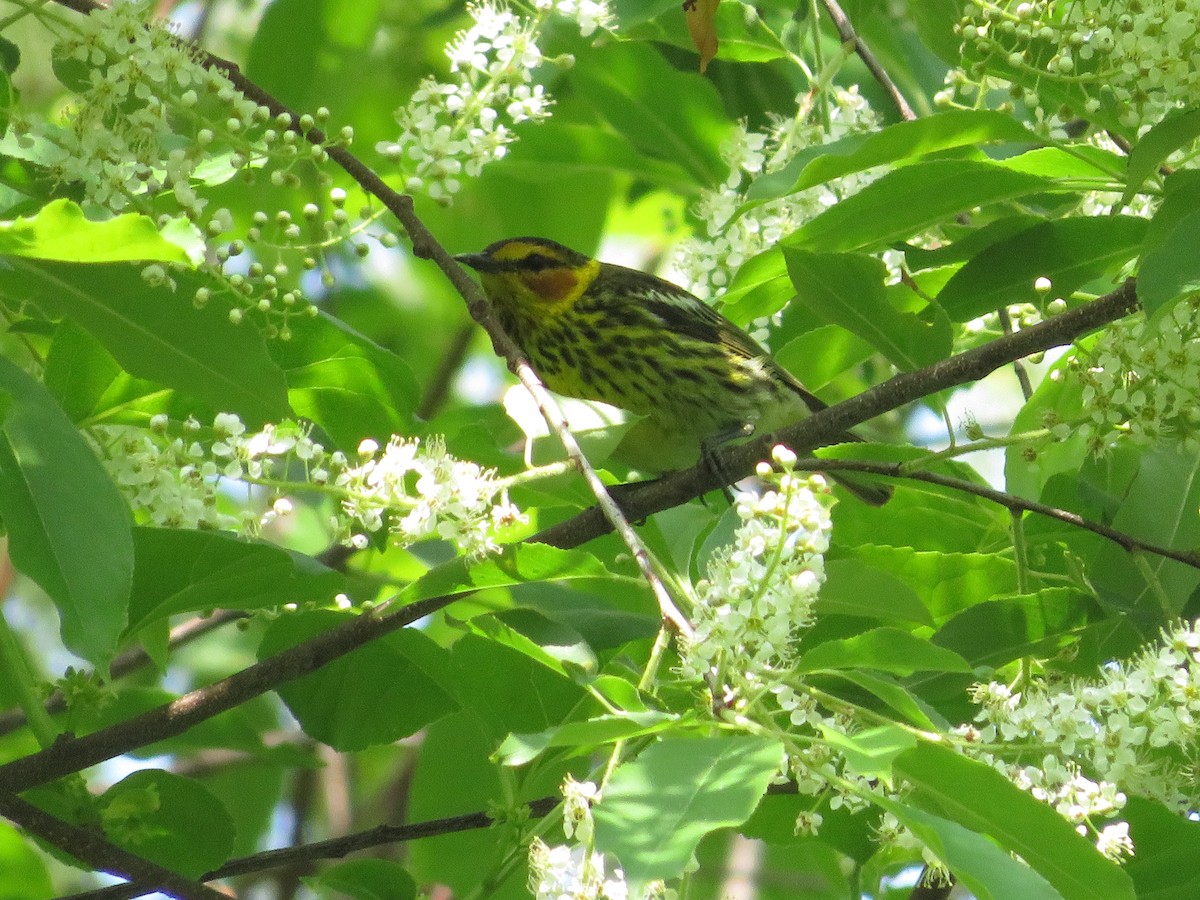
(539,261)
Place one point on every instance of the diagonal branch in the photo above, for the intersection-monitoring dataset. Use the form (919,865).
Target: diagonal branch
(850,38)
(334,848)
(92,848)
(1010,501)
(172,719)
(645,498)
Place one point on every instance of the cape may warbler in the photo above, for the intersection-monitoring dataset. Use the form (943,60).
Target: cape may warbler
(602,332)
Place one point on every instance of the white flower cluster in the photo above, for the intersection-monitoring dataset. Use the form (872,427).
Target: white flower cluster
(137,84)
(1133,730)
(150,125)
(413,489)
(449,130)
(576,871)
(169,482)
(568,872)
(760,589)
(1138,55)
(1142,383)
(706,263)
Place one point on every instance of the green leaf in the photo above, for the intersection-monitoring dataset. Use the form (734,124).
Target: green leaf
(1179,129)
(92,388)
(352,24)
(909,200)
(193,571)
(1070,252)
(969,243)
(10,56)
(935,21)
(168,819)
(657,807)
(547,150)
(998,631)
(508,691)
(819,356)
(1167,843)
(760,287)
(895,143)
(347,384)
(553,644)
(514,564)
(664,113)
(1181,198)
(285,56)
(886,649)
(945,582)
(1080,163)
(60,231)
(367,879)
(68,527)
(978,797)
(898,698)
(1171,270)
(25,875)
(853,588)
(985,869)
(847,289)
(382,691)
(1160,506)
(156,334)
(583,737)
(870,752)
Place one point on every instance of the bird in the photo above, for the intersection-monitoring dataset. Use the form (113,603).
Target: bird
(598,331)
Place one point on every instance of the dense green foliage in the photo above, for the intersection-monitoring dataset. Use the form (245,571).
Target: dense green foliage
(208,349)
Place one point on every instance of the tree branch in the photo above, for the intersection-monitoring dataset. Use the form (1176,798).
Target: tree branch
(92,848)
(645,498)
(850,37)
(335,848)
(172,719)
(1010,501)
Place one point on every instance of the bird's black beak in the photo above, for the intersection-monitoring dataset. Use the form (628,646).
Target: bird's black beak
(477,261)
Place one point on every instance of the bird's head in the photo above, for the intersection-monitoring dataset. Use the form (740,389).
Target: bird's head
(530,273)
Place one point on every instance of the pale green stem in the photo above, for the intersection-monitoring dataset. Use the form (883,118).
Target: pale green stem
(15,671)
(1024,437)
(1153,582)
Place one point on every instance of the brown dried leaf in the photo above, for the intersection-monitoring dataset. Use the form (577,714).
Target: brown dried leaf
(701,23)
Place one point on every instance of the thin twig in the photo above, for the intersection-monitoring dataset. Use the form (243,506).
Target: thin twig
(448,365)
(850,37)
(335,848)
(1018,365)
(1010,501)
(92,848)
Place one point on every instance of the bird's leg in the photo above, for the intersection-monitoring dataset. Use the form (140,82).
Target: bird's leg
(708,452)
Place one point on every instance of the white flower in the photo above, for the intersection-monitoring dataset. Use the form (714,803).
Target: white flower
(760,589)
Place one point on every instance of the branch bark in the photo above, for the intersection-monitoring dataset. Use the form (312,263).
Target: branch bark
(92,848)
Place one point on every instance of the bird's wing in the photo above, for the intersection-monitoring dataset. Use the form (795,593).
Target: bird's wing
(683,312)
